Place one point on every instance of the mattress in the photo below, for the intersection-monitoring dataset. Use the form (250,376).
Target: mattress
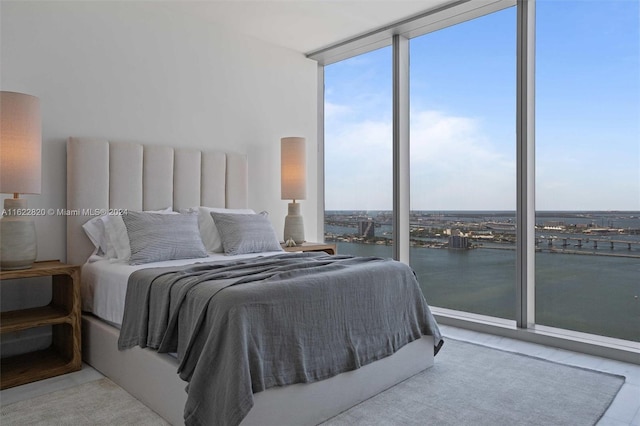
(104,282)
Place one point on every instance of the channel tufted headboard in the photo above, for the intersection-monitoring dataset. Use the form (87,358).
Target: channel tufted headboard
(103,175)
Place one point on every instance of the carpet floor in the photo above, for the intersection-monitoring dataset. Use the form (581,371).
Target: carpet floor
(468,385)
(100,402)
(475,385)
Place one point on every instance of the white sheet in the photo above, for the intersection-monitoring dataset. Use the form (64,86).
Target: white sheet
(104,282)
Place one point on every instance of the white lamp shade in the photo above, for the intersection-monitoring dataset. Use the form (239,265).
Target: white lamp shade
(20,143)
(293,163)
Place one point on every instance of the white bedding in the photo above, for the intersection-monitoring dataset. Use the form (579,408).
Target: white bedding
(104,282)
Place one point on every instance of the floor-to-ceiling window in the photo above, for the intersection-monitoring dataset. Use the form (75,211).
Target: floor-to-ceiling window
(588,167)
(463,170)
(358,154)
(469,110)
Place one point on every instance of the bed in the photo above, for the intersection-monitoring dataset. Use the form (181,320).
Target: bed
(103,175)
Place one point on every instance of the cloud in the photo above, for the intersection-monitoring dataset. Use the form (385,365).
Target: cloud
(454,166)
(358,167)
(574,181)
(332,110)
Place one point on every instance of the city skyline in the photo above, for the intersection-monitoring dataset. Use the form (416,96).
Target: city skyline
(463,115)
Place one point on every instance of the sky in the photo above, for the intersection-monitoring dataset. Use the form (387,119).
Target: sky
(463,116)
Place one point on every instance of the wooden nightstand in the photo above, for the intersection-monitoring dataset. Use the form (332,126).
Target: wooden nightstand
(327,248)
(62,314)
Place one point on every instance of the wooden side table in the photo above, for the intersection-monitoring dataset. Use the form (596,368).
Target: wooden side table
(327,248)
(62,314)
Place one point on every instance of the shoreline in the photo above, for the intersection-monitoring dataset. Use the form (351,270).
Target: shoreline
(577,252)
(512,248)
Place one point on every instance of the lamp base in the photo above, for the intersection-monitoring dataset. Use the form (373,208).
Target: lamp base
(18,248)
(293,224)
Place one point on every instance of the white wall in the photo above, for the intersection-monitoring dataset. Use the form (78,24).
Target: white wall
(134,72)
(130,71)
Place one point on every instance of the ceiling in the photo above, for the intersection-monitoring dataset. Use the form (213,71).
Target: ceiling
(302,25)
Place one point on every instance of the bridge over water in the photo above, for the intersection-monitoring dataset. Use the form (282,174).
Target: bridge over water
(582,241)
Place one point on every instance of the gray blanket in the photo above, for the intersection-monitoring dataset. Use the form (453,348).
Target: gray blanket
(243,326)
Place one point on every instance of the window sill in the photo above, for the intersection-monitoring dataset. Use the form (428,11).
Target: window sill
(591,344)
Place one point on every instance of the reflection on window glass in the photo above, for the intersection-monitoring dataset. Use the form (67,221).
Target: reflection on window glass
(358,154)
(587,167)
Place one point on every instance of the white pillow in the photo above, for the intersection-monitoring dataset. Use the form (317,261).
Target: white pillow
(117,239)
(109,234)
(208,231)
(94,228)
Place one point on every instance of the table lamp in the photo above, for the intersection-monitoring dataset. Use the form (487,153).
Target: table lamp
(293,163)
(20,163)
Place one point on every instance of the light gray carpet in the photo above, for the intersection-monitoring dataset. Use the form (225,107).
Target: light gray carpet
(468,385)
(100,402)
(475,385)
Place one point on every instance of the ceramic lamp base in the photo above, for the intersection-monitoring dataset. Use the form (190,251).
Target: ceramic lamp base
(293,224)
(18,248)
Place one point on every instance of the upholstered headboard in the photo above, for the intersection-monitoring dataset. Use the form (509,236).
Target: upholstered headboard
(103,175)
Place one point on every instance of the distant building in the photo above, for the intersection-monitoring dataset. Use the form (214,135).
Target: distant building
(601,231)
(366,228)
(458,240)
(554,224)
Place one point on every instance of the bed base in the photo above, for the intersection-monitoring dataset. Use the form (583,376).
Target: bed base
(152,379)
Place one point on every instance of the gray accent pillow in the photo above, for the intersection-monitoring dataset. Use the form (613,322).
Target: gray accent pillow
(156,237)
(246,233)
